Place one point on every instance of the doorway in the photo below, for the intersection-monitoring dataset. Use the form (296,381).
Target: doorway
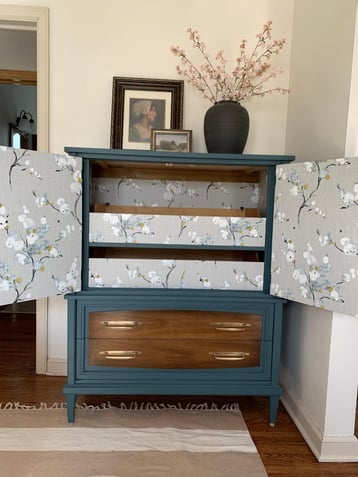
(36,19)
(17,95)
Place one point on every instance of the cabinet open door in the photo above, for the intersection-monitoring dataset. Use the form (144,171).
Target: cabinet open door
(40,225)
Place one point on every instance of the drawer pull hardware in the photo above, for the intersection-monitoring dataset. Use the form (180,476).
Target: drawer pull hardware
(120,354)
(229,355)
(123,325)
(230,326)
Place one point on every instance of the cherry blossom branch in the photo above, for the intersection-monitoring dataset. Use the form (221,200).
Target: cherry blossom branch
(246,79)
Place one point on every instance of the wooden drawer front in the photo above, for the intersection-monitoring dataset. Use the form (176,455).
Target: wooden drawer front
(174,324)
(173,354)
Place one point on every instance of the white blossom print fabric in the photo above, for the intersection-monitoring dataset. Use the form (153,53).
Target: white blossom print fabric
(40,225)
(170,229)
(209,274)
(315,239)
(177,229)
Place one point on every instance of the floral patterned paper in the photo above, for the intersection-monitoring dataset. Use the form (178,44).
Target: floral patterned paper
(135,273)
(315,234)
(176,230)
(315,239)
(165,193)
(173,229)
(40,225)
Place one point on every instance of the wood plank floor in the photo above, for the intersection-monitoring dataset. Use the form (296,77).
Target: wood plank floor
(282,449)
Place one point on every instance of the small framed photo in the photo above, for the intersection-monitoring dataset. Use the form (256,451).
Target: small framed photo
(171,140)
(141,105)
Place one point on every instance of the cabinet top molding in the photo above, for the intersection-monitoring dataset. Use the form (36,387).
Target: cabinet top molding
(179,158)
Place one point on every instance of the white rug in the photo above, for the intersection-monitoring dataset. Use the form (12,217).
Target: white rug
(151,440)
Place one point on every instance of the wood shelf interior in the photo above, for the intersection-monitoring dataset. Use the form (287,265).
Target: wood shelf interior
(183,211)
(162,253)
(171,171)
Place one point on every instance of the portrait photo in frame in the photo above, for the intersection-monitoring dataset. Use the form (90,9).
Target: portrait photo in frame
(171,140)
(140,105)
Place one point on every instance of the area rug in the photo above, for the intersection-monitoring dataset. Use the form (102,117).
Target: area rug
(142,440)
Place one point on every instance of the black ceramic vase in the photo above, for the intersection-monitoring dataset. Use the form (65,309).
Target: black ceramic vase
(226,127)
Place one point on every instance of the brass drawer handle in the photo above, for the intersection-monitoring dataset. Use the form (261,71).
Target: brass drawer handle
(122,324)
(229,355)
(230,326)
(120,354)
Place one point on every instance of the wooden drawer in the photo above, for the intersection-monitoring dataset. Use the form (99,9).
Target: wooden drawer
(180,324)
(173,354)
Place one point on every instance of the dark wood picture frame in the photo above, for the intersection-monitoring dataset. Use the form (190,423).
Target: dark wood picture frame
(166,96)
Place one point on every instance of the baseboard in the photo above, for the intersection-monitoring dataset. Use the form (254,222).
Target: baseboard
(339,449)
(304,423)
(56,367)
(324,448)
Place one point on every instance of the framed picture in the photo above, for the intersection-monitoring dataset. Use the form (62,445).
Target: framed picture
(171,140)
(140,105)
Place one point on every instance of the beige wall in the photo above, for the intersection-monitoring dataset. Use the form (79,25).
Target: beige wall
(320,77)
(352,127)
(317,376)
(92,41)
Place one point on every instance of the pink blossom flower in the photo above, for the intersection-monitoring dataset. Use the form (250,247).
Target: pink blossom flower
(248,77)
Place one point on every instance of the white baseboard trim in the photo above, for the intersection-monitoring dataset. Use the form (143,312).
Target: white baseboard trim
(56,367)
(324,448)
(339,449)
(311,434)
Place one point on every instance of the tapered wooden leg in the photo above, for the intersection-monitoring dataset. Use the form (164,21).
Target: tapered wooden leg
(71,405)
(274,401)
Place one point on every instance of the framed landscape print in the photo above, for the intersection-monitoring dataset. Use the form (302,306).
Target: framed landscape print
(171,140)
(140,105)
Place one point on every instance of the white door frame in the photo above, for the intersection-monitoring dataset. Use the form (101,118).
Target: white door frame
(37,19)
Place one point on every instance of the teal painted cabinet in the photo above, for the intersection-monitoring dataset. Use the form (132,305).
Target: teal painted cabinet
(176,260)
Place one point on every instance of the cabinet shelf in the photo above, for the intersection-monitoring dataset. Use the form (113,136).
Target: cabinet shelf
(160,246)
(175,171)
(175,253)
(180,211)
(136,158)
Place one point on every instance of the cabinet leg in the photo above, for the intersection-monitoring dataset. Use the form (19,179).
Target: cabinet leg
(274,401)
(71,405)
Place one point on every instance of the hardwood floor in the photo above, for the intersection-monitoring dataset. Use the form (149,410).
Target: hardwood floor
(282,448)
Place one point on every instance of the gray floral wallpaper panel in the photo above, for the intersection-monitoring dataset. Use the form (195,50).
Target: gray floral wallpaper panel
(151,273)
(315,237)
(171,229)
(315,240)
(176,193)
(40,225)
(177,229)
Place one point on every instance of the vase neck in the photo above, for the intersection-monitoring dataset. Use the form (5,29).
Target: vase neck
(222,101)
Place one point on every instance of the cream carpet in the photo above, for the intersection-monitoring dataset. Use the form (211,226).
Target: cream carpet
(105,441)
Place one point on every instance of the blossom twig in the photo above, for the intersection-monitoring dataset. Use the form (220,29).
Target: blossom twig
(247,79)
